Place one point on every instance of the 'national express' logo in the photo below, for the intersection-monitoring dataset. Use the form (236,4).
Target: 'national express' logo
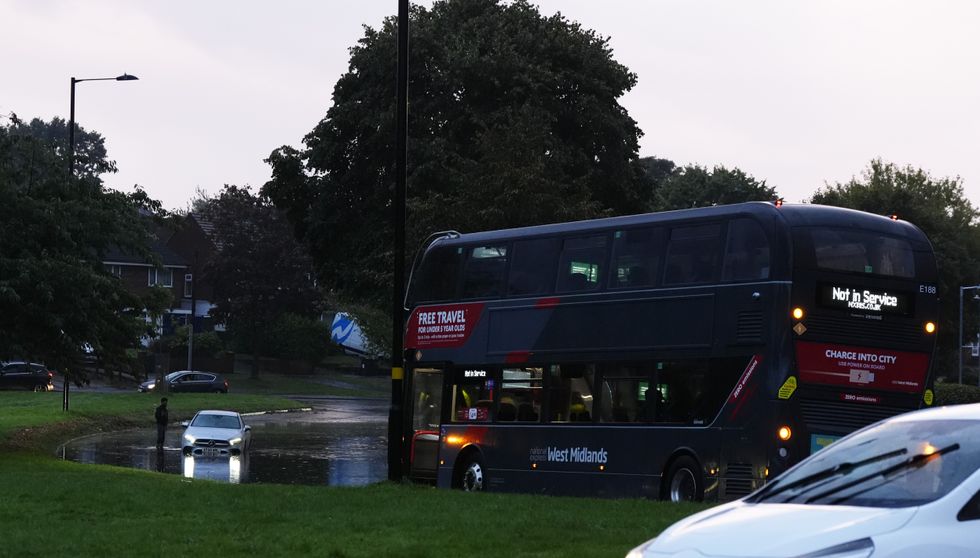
(341,329)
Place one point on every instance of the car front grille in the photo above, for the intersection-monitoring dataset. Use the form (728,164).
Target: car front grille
(211,443)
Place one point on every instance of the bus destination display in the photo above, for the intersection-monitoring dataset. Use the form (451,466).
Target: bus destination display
(863,299)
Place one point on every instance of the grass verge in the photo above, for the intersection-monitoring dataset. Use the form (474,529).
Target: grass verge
(322,383)
(62,508)
(88,510)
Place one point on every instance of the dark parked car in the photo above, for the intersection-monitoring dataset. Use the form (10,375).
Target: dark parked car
(190,381)
(27,375)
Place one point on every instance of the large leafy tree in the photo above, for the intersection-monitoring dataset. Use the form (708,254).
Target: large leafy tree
(697,186)
(263,278)
(514,120)
(939,207)
(55,295)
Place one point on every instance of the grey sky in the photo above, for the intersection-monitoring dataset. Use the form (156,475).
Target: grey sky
(794,93)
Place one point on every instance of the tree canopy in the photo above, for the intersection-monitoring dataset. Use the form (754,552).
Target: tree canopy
(696,186)
(264,290)
(55,295)
(940,208)
(514,120)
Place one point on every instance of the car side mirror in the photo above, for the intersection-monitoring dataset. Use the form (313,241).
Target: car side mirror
(185,423)
(248,428)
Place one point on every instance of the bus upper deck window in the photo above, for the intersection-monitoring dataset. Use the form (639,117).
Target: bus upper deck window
(484,271)
(747,254)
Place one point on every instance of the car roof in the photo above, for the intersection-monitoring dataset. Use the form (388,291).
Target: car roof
(218,412)
(950,412)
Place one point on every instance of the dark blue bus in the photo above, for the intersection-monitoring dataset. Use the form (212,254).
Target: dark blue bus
(683,355)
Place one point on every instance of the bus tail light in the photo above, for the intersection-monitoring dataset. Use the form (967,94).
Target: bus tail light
(784,433)
(798,313)
(930,327)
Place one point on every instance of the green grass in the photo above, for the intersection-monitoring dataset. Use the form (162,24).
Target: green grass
(322,383)
(58,508)
(62,508)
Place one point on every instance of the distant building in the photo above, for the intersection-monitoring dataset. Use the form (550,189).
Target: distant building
(183,252)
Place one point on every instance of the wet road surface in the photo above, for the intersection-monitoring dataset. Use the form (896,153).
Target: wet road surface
(341,442)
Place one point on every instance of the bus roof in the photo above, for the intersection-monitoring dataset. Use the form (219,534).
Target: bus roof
(794,215)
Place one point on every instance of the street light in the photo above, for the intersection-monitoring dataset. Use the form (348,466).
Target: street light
(71,171)
(959,350)
(71,118)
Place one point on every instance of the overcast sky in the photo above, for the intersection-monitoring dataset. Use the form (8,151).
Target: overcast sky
(794,93)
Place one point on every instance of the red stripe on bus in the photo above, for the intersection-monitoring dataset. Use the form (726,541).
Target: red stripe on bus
(547,302)
(517,357)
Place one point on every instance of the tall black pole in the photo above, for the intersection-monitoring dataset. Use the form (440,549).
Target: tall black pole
(71,133)
(396,439)
(71,174)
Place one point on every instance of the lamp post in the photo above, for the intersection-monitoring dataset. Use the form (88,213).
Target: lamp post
(71,117)
(959,350)
(71,174)
(396,440)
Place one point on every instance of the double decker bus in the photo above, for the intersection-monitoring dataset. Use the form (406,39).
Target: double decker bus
(682,355)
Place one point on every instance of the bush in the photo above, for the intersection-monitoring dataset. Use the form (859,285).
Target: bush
(956,394)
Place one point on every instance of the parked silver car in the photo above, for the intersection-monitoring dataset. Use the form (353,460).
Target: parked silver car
(216,434)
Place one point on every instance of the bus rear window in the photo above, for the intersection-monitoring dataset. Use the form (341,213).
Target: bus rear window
(863,252)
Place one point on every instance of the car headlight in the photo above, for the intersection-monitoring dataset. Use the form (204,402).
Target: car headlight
(150,386)
(861,548)
(235,441)
(189,439)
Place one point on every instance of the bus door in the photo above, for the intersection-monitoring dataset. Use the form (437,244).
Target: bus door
(426,412)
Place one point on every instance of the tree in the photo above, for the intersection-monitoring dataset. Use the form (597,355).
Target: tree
(696,186)
(939,207)
(514,120)
(55,295)
(259,271)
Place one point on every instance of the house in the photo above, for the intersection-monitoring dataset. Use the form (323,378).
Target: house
(140,275)
(192,241)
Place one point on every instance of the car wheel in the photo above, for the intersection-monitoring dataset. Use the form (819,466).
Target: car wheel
(39,388)
(472,476)
(684,481)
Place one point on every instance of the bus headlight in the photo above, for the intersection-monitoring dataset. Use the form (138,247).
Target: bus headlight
(784,433)
(930,327)
(798,313)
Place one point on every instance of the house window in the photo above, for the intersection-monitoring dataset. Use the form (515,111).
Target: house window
(188,285)
(160,277)
(114,270)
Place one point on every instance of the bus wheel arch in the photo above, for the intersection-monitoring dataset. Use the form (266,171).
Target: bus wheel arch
(469,473)
(682,479)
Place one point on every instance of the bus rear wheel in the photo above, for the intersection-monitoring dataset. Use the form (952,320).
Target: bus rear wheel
(471,478)
(684,481)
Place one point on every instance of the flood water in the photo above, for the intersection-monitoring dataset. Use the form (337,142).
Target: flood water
(342,442)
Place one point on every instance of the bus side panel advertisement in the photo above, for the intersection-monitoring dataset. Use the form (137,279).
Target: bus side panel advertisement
(444,326)
(861,367)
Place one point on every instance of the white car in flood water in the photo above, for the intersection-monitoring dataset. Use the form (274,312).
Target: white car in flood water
(906,487)
(216,434)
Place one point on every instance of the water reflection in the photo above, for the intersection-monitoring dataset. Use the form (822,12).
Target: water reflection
(226,469)
(338,447)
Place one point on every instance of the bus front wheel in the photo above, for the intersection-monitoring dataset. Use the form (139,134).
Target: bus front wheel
(684,481)
(471,476)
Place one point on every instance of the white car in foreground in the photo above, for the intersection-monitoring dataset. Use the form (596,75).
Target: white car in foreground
(908,487)
(216,434)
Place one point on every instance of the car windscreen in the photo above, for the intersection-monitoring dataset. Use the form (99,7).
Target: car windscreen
(216,421)
(891,465)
